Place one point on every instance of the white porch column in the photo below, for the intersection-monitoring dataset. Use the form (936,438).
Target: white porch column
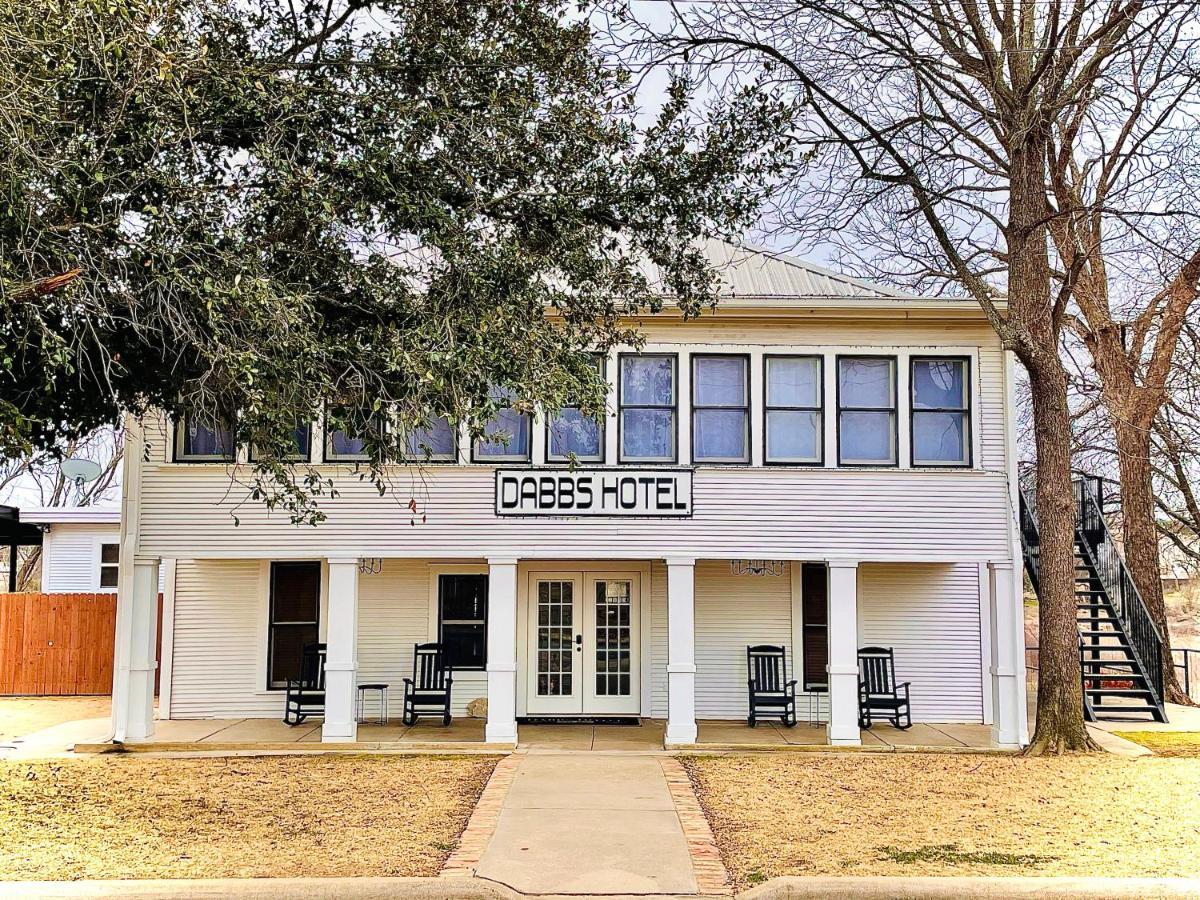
(843,653)
(341,652)
(134,657)
(681,651)
(502,652)
(1008,652)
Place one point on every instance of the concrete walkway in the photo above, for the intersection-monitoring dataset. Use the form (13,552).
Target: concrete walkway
(589,823)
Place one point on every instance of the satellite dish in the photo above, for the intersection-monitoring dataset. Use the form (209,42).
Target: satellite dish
(80,471)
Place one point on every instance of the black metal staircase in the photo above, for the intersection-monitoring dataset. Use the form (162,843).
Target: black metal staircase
(1120,649)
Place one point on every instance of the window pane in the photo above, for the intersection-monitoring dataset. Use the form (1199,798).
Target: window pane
(463,596)
(794,381)
(939,437)
(302,438)
(108,576)
(287,651)
(573,432)
(508,423)
(648,380)
(110,553)
(793,435)
(866,437)
(720,381)
(648,434)
(295,591)
(342,445)
(199,440)
(437,439)
(939,384)
(465,644)
(720,435)
(865,383)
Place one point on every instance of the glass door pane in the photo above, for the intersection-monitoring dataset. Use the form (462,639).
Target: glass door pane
(554,672)
(614,638)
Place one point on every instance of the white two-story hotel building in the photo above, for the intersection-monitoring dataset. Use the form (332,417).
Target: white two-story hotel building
(821,463)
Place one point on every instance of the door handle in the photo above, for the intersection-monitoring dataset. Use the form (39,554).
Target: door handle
(579,642)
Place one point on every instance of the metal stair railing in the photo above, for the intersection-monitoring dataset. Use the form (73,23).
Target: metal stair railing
(1103,555)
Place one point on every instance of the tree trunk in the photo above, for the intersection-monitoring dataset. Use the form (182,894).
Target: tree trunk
(1060,726)
(1141,537)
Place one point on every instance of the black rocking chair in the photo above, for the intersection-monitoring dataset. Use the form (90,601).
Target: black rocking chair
(427,693)
(306,694)
(772,696)
(879,697)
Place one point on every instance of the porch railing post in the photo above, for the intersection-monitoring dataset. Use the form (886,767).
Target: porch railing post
(681,651)
(502,652)
(843,653)
(341,654)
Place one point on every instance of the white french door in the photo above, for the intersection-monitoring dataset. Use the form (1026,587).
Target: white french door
(583,643)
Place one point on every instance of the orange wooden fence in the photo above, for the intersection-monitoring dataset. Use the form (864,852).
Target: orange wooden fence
(59,644)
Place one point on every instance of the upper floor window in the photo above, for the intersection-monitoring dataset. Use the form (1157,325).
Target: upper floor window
(301,444)
(794,410)
(202,443)
(941,412)
(342,446)
(646,407)
(867,410)
(506,438)
(110,559)
(434,441)
(720,409)
(571,433)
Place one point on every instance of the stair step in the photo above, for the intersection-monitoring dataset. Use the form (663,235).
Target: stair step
(1111,662)
(1147,708)
(1119,692)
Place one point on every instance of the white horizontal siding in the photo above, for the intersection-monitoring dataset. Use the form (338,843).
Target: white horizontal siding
(71,557)
(215,668)
(929,615)
(732,613)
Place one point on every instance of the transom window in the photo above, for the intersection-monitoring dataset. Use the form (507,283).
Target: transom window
(646,407)
(110,560)
(866,410)
(435,441)
(462,619)
(720,409)
(571,433)
(506,438)
(195,442)
(794,413)
(941,412)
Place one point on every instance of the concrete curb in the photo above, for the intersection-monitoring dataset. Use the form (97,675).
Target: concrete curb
(791,888)
(953,888)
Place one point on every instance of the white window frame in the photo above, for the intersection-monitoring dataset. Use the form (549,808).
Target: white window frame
(695,408)
(768,408)
(177,444)
(893,410)
(676,394)
(967,412)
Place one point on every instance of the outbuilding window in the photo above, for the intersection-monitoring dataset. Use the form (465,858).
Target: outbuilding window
(866,410)
(941,411)
(110,560)
(462,619)
(646,408)
(720,409)
(794,410)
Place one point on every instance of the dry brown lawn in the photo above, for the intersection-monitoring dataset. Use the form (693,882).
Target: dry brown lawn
(924,814)
(131,817)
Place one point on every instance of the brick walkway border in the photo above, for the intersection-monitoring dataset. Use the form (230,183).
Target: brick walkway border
(482,824)
(711,876)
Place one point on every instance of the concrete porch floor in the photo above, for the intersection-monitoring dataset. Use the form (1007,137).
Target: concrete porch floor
(464,733)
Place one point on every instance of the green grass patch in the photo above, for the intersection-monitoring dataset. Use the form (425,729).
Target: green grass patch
(952,855)
(1166,743)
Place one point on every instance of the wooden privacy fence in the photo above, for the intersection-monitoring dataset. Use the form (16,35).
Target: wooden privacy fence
(59,644)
